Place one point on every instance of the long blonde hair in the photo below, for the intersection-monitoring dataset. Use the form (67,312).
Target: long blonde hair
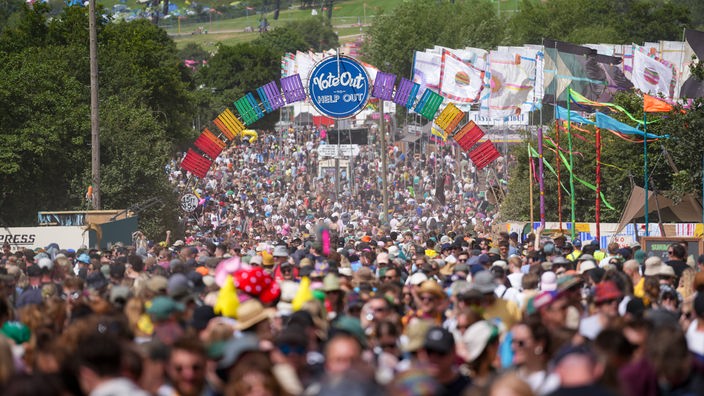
(686,286)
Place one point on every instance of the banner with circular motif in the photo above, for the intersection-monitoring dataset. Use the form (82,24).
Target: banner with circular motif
(339,87)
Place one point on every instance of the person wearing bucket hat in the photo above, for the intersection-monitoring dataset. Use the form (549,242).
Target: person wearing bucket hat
(481,345)
(165,314)
(253,318)
(429,300)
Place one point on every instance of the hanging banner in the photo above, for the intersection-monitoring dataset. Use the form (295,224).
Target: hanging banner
(339,87)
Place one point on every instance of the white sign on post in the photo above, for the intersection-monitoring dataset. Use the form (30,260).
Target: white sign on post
(338,151)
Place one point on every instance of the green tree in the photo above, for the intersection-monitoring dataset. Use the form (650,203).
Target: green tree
(419,24)
(236,70)
(146,113)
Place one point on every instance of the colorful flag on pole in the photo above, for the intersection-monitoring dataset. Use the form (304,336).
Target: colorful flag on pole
(508,83)
(652,104)
(460,81)
(652,75)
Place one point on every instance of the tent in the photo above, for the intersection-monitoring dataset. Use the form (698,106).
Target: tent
(688,210)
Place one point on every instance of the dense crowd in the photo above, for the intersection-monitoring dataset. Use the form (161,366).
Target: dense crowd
(285,284)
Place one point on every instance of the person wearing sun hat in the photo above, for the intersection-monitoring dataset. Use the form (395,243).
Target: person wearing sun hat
(429,301)
(253,318)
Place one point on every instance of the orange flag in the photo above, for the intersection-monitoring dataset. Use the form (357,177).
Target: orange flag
(652,104)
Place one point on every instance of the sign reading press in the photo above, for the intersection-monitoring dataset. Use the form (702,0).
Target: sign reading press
(339,87)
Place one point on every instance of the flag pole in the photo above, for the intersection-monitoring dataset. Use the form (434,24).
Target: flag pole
(530,176)
(569,143)
(598,183)
(541,182)
(557,159)
(645,169)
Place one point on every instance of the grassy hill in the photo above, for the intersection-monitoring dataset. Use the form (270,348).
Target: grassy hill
(207,25)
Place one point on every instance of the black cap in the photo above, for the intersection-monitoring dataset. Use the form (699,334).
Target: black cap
(438,339)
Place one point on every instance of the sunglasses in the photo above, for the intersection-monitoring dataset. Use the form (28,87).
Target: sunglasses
(292,349)
(427,298)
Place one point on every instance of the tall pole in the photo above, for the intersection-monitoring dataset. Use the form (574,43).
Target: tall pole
(530,190)
(384,181)
(94,116)
(557,166)
(569,143)
(598,184)
(541,175)
(645,171)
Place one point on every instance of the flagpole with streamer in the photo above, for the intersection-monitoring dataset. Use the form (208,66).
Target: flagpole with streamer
(530,176)
(541,175)
(557,166)
(598,183)
(569,144)
(645,170)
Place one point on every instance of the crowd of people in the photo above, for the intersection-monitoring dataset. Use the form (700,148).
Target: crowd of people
(290,283)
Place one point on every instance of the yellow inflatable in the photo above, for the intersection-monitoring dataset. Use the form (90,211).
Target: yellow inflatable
(252,134)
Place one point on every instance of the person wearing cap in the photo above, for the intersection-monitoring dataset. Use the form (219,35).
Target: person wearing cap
(32,294)
(607,297)
(165,314)
(438,355)
(577,250)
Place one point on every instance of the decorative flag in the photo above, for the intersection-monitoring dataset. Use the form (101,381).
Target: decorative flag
(439,133)
(426,69)
(384,85)
(429,104)
(652,104)
(248,109)
(293,88)
(508,83)
(595,76)
(605,122)
(196,163)
(651,74)
(449,118)
(694,45)
(229,125)
(210,144)
(406,93)
(270,96)
(303,295)
(561,114)
(460,81)
(468,136)
(483,155)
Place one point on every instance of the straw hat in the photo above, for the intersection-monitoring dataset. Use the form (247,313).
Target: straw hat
(251,312)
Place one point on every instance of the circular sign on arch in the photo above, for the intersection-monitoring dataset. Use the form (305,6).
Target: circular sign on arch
(339,87)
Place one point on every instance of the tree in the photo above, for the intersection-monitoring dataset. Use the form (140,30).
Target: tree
(414,26)
(146,110)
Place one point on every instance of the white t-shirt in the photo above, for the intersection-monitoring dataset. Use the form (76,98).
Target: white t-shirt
(695,338)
